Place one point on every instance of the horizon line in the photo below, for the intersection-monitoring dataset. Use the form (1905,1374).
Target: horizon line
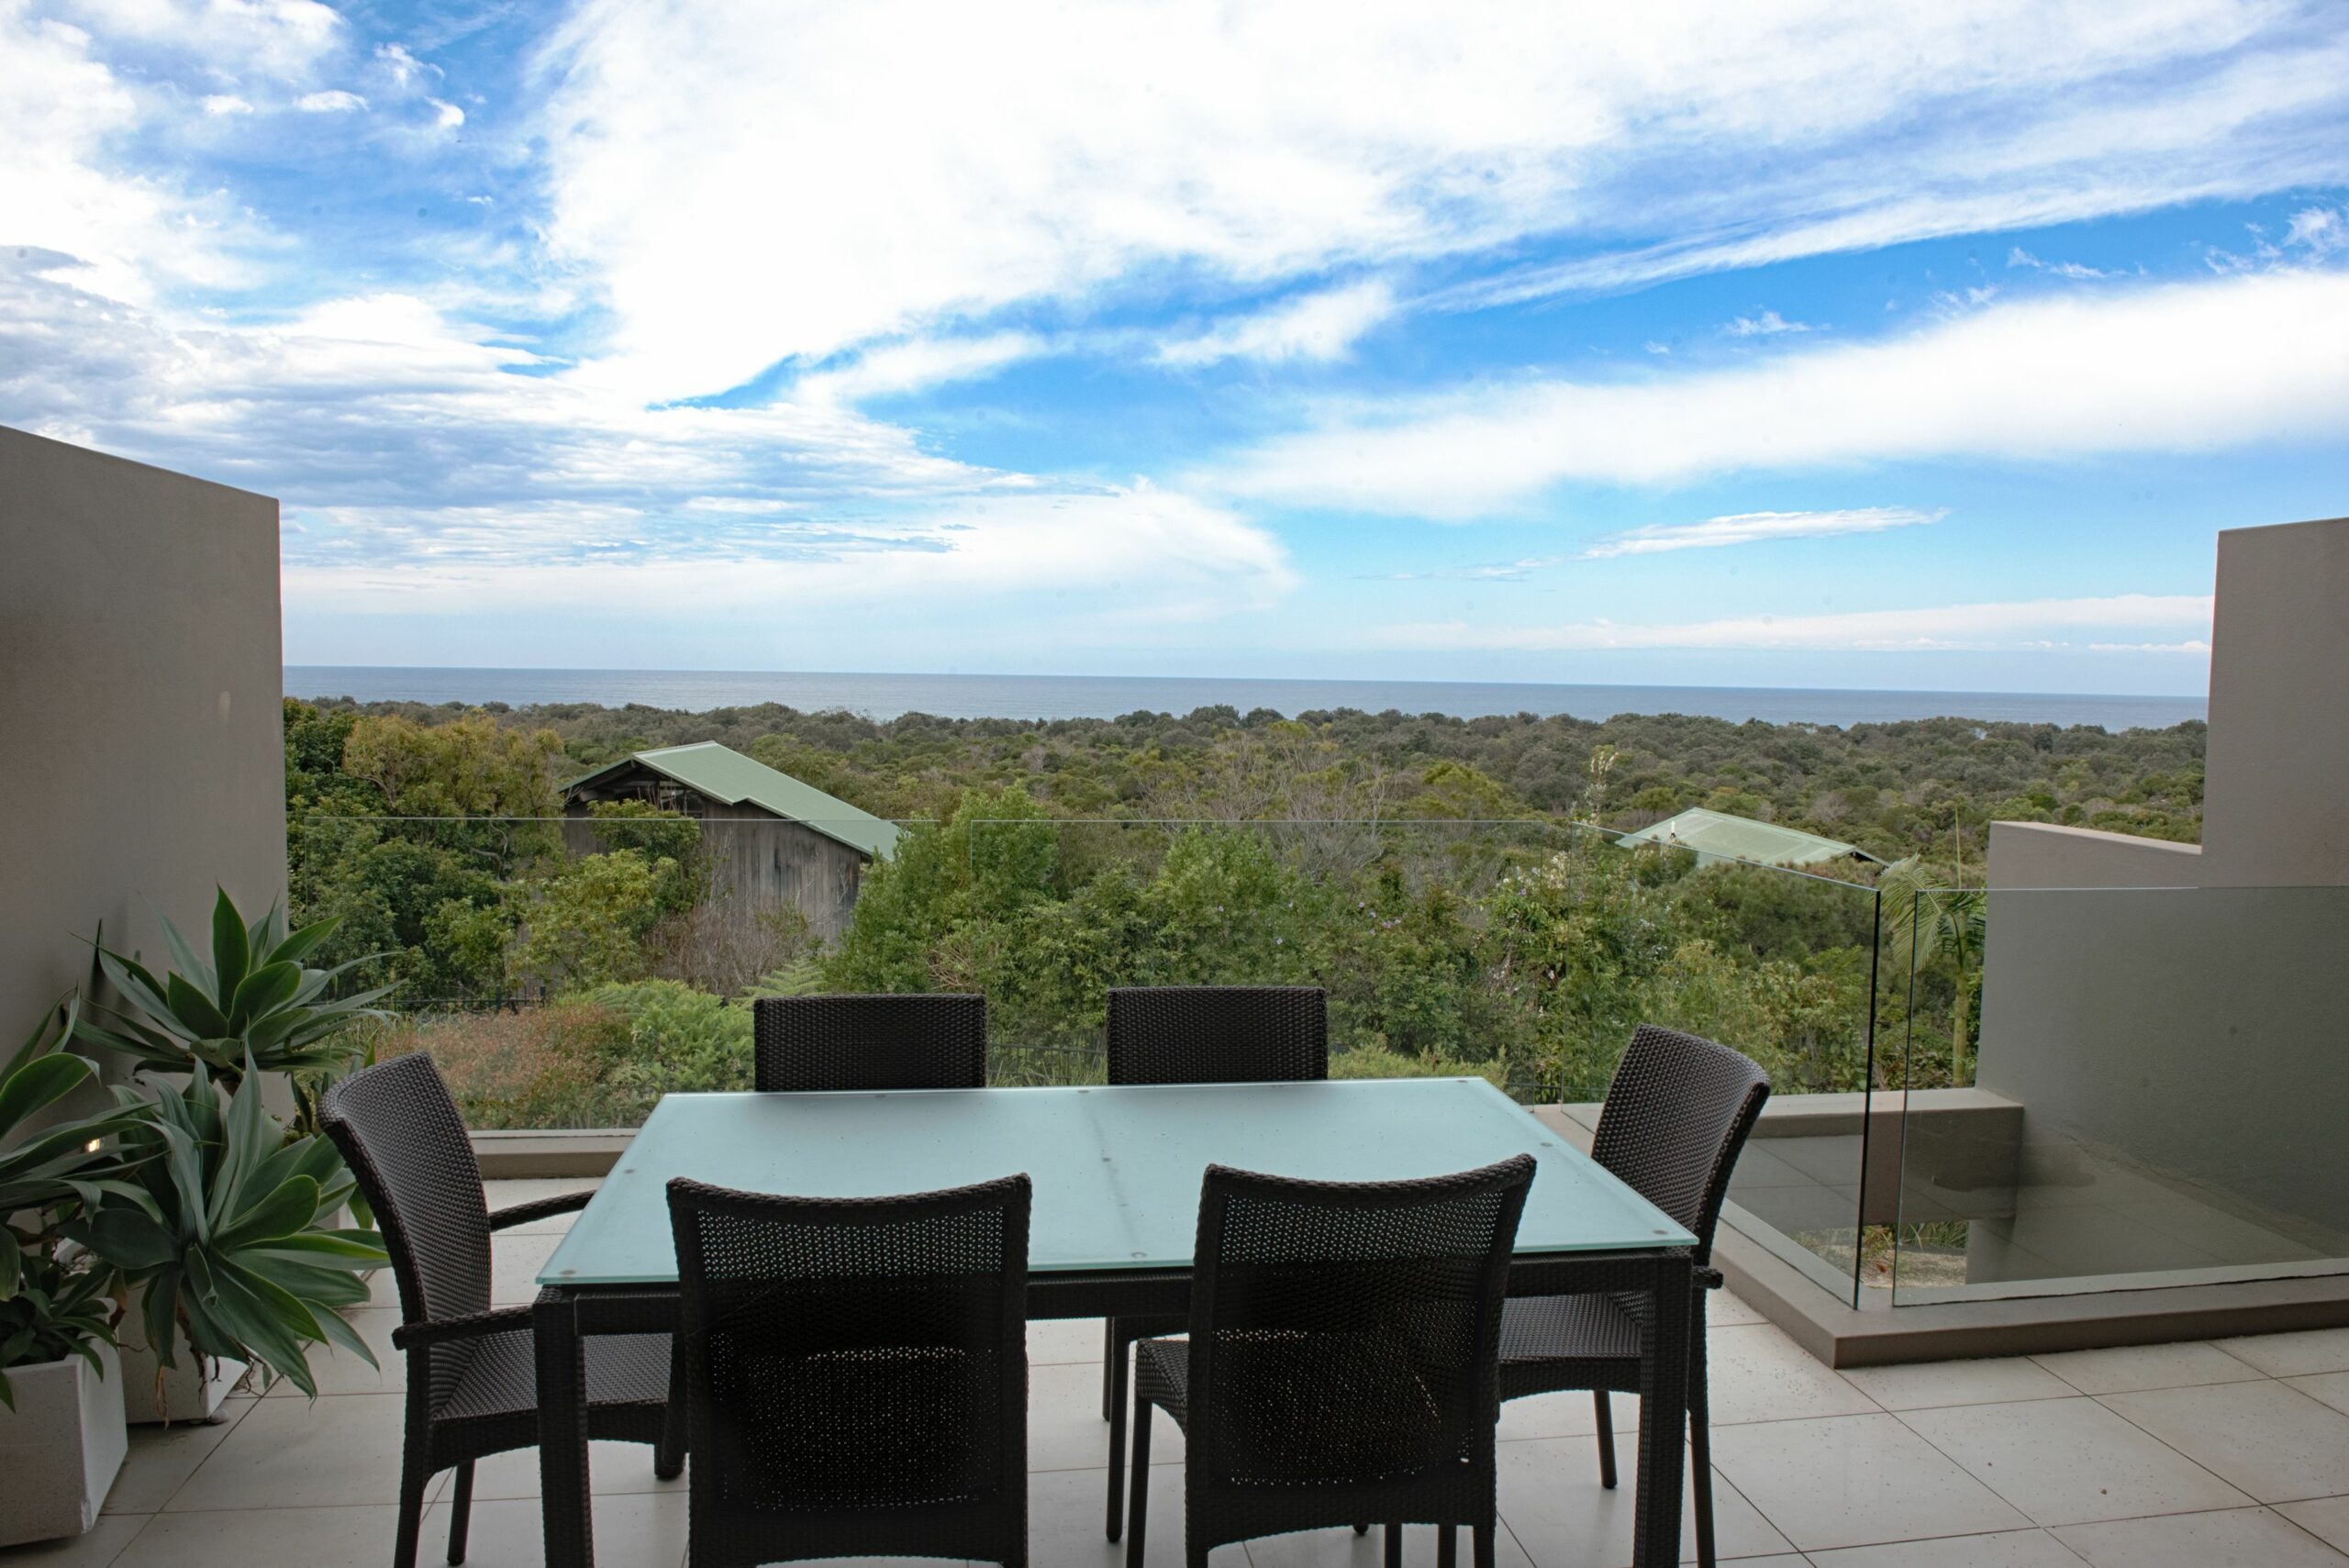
(2201,697)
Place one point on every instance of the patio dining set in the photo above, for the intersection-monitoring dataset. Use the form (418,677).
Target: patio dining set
(814,1296)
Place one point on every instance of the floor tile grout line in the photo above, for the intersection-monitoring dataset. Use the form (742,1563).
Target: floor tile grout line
(2255,1502)
(2064,1546)
(1711,1367)
(251,1405)
(2157,1388)
(1500,1522)
(2304,1530)
(128,1541)
(2232,1356)
(1967,1470)
(2256,1507)
(1720,1480)
(2094,1400)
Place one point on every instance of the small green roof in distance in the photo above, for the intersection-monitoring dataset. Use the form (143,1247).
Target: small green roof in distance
(723,773)
(1718,835)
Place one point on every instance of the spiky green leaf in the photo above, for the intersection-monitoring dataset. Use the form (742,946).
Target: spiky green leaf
(230,951)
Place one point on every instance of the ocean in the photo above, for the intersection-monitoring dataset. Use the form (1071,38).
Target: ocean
(1105,697)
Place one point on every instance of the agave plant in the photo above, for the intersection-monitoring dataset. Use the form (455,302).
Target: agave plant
(254,1005)
(52,1306)
(227,1240)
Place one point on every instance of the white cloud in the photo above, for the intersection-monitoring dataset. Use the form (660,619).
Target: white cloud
(403,66)
(424,472)
(1314,327)
(217,104)
(2080,271)
(275,39)
(447,116)
(1492,572)
(2031,143)
(2012,625)
(126,236)
(331,101)
(1115,562)
(894,168)
(921,362)
(1751,528)
(2321,230)
(1769,324)
(2187,367)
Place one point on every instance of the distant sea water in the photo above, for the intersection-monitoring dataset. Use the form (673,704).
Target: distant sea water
(1107,696)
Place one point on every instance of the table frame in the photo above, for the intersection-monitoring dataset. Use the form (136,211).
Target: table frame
(564,1317)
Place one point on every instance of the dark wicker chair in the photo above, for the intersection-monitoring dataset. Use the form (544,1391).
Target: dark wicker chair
(856,1373)
(1199,1034)
(1342,1362)
(1218,1034)
(472,1372)
(883,1041)
(1676,1115)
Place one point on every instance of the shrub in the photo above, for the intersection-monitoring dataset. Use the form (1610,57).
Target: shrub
(541,1067)
(1376,1061)
(680,1039)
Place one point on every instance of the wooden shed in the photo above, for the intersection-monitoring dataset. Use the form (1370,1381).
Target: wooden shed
(772,840)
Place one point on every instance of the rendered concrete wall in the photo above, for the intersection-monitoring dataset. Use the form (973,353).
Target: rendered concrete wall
(140,679)
(2181,1056)
(2276,802)
(2042,854)
(2275,805)
(2195,1034)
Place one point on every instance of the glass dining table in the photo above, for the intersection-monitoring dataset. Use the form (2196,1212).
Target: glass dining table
(1116,1172)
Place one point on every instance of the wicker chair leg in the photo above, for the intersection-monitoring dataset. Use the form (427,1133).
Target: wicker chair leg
(669,1457)
(1605,1412)
(1447,1546)
(1701,1443)
(414,1478)
(1483,1536)
(1111,1353)
(1393,1545)
(461,1513)
(1138,1510)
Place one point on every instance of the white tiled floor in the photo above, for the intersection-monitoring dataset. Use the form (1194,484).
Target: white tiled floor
(2201,1454)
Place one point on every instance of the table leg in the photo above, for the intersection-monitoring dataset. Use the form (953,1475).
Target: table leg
(1663,1419)
(566,1517)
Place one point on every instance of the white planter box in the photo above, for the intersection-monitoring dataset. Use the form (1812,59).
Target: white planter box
(60,1448)
(195,1390)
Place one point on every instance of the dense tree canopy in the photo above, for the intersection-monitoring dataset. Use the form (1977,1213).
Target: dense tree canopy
(1893,789)
(1439,876)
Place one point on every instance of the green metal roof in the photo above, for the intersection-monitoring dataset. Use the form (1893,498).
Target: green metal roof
(725,775)
(1717,836)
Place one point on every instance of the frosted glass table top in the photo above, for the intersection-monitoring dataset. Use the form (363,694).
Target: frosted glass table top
(1115,1171)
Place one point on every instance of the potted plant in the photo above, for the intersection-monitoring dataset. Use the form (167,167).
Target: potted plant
(61,1437)
(255,1006)
(229,1241)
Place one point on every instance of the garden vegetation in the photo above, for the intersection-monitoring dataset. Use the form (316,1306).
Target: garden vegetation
(1453,883)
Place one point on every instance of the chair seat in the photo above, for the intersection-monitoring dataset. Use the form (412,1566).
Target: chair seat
(1554,1336)
(502,1379)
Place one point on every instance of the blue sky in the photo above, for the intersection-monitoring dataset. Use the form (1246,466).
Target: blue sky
(1881,345)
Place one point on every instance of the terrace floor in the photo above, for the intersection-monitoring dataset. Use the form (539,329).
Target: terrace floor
(2201,1454)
